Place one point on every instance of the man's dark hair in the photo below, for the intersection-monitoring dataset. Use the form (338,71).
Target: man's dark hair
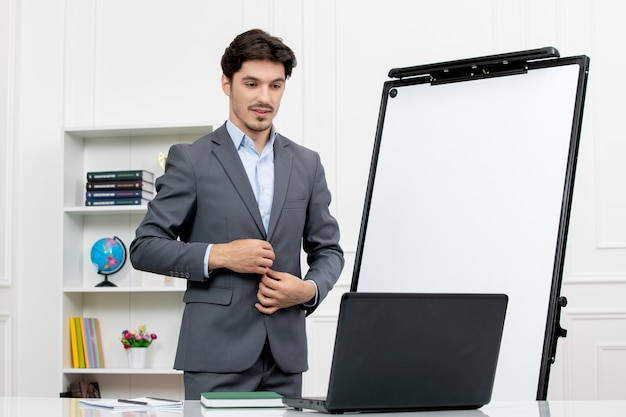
(256,44)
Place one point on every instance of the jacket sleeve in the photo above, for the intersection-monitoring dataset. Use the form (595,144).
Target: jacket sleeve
(321,239)
(160,242)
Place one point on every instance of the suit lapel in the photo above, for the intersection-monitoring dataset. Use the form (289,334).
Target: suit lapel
(227,155)
(282,170)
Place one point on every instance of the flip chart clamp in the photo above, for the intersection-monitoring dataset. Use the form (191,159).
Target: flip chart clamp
(477,68)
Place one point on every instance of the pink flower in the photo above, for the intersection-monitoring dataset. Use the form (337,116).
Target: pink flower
(137,338)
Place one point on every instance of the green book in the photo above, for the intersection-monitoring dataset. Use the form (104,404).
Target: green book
(132,174)
(79,343)
(256,399)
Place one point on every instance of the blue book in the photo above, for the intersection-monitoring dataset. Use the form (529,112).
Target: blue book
(111,194)
(99,202)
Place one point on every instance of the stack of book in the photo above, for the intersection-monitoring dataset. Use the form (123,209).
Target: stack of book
(255,399)
(86,343)
(119,188)
(242,404)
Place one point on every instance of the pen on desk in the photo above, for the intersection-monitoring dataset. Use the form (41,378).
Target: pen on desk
(162,399)
(132,402)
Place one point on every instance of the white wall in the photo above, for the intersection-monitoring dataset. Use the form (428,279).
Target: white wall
(7,306)
(34,83)
(115,62)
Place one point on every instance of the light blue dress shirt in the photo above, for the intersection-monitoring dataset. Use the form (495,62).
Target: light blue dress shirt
(259,167)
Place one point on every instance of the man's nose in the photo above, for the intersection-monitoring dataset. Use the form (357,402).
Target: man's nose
(264,94)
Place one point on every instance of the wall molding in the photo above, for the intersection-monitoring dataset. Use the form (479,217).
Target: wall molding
(6,176)
(611,370)
(592,331)
(594,279)
(610,245)
(5,353)
(595,314)
(608,178)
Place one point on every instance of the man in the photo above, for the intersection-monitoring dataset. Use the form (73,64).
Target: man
(231,215)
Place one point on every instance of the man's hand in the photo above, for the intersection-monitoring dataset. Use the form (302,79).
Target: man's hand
(281,290)
(248,256)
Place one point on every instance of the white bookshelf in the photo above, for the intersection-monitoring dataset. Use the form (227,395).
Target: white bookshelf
(139,297)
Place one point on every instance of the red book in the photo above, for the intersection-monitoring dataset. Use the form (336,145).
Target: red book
(119,185)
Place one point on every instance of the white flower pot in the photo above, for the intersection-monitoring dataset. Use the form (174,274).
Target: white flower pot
(137,357)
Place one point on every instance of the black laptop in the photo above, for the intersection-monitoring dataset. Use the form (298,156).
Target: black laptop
(408,352)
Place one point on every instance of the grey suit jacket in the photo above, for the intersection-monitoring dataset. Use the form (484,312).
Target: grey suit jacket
(205,197)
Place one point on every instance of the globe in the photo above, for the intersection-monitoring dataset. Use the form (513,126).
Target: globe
(108,255)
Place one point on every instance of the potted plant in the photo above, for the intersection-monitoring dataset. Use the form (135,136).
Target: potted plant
(136,343)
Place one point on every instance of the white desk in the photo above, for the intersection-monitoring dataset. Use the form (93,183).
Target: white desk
(69,407)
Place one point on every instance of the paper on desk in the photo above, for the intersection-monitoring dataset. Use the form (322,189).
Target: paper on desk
(140,403)
(159,402)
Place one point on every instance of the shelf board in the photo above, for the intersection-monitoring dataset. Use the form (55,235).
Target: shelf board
(89,210)
(147,130)
(121,289)
(123,371)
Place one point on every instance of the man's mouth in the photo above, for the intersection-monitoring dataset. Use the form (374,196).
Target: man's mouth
(261,111)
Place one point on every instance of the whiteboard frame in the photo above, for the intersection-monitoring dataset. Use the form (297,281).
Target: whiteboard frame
(458,73)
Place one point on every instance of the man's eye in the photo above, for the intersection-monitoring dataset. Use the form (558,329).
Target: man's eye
(277,86)
(251,85)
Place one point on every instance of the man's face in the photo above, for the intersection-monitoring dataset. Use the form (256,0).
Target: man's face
(255,92)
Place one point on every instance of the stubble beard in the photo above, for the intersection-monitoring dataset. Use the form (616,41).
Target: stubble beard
(261,126)
(263,123)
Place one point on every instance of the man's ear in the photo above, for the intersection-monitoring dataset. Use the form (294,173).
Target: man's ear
(226,85)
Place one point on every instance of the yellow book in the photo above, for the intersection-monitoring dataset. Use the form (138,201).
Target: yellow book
(73,345)
(79,342)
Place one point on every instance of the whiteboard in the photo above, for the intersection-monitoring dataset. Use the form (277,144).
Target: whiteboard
(469,191)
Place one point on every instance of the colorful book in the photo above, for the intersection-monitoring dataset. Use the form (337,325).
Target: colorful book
(117,202)
(86,343)
(98,344)
(111,194)
(94,342)
(256,399)
(79,342)
(120,185)
(93,347)
(131,174)
(73,344)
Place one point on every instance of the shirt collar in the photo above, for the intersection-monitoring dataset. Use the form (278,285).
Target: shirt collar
(237,136)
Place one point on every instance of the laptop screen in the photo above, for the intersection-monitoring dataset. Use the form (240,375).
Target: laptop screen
(415,351)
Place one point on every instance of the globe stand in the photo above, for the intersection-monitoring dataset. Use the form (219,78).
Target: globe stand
(106,282)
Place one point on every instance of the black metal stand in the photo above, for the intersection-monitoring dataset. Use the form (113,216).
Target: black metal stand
(106,282)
